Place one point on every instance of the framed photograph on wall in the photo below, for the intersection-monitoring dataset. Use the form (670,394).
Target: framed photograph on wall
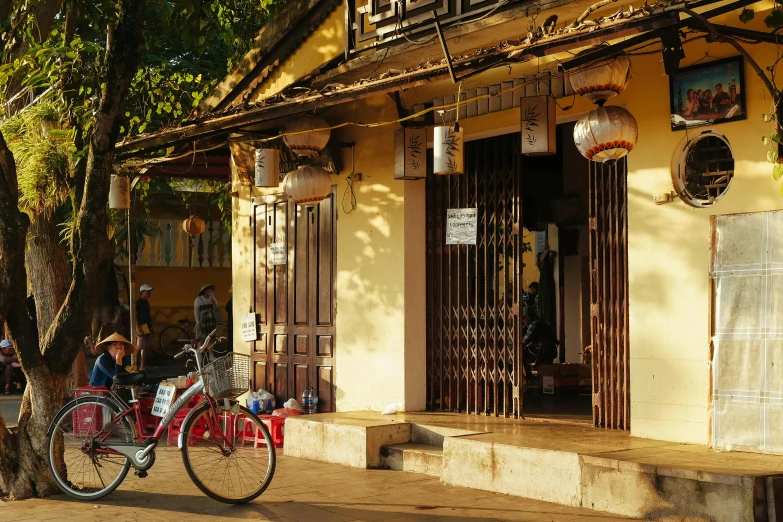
(708,93)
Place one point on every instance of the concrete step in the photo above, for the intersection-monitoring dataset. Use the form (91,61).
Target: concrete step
(413,457)
(434,435)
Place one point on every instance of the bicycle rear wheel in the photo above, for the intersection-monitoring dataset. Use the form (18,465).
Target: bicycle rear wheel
(172,339)
(231,472)
(78,469)
(221,346)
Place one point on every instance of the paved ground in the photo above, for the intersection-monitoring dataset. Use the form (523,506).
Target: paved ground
(302,491)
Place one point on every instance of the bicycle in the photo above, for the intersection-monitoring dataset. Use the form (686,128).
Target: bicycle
(95,439)
(173,337)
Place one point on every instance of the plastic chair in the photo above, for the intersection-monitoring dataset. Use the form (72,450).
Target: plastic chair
(275,425)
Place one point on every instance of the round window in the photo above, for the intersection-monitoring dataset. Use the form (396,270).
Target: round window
(702,168)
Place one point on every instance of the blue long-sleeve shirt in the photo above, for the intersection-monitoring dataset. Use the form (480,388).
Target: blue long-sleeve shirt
(104,370)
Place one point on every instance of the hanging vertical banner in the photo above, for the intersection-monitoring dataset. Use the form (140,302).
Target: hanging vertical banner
(461,226)
(278,254)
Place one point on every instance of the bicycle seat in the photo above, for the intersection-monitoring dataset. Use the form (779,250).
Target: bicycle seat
(129,379)
(183,321)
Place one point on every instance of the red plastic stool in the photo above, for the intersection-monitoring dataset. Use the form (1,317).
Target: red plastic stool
(273,423)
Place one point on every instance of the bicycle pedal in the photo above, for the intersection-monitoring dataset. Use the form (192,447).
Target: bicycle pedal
(141,474)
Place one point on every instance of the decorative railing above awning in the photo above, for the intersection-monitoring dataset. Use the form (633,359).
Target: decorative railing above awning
(375,23)
(173,247)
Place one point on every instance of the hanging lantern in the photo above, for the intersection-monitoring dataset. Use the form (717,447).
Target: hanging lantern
(538,125)
(194,226)
(267,168)
(604,80)
(606,134)
(448,150)
(119,192)
(301,137)
(410,153)
(307,185)
(243,158)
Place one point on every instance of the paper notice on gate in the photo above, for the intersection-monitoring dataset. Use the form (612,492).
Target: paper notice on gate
(163,400)
(461,226)
(278,254)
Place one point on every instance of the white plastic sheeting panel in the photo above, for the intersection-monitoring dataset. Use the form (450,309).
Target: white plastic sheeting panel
(747,372)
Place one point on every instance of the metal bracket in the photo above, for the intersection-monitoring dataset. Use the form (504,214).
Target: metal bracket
(444,46)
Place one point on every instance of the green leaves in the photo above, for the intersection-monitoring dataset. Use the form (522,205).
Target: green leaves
(775,18)
(772,156)
(777,171)
(747,15)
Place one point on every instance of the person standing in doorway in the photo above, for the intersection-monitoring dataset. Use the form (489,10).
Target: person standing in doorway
(143,324)
(206,310)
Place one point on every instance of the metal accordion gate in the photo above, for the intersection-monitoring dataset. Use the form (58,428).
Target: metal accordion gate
(473,293)
(609,295)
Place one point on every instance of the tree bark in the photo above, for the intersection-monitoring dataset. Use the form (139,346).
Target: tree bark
(23,453)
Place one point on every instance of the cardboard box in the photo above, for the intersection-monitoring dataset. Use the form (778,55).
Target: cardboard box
(555,378)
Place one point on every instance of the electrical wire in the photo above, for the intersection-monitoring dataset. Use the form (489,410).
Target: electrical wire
(349,188)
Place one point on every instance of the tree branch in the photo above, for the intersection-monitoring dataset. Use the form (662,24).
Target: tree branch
(589,11)
(718,37)
(90,243)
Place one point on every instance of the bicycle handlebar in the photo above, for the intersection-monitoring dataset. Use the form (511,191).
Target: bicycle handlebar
(189,347)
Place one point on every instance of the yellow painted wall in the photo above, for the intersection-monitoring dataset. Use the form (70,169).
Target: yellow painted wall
(380,300)
(669,251)
(324,44)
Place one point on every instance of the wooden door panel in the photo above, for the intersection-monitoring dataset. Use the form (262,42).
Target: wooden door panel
(324,346)
(299,334)
(281,344)
(301,265)
(301,380)
(260,345)
(259,375)
(280,273)
(325,282)
(324,389)
(281,382)
(300,345)
(261,281)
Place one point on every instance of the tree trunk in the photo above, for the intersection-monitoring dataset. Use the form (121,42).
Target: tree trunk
(48,269)
(50,276)
(23,454)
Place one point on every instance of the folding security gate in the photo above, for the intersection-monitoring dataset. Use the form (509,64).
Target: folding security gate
(473,324)
(609,295)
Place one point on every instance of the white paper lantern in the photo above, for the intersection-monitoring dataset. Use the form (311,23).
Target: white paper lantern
(304,140)
(307,185)
(538,125)
(604,80)
(119,192)
(448,150)
(267,168)
(606,134)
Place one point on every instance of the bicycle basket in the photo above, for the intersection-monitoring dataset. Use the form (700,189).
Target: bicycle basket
(228,377)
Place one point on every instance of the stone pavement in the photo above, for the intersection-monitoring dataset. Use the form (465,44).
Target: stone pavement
(302,491)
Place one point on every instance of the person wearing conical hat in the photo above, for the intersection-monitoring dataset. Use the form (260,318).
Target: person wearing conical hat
(206,311)
(114,348)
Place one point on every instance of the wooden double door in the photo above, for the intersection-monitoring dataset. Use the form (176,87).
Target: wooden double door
(295,302)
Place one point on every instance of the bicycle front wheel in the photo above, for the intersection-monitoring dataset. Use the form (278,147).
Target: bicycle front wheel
(79,469)
(217,458)
(172,340)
